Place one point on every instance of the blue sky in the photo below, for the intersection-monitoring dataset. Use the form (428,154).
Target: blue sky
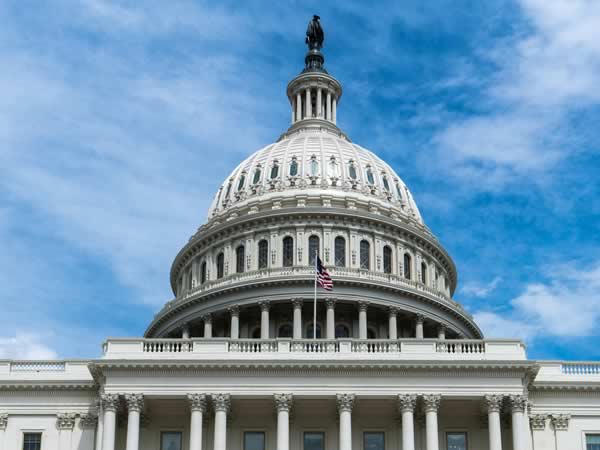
(118,120)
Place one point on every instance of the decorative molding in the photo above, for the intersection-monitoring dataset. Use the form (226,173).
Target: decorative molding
(330,302)
(3,421)
(420,318)
(345,402)
(493,403)
(297,302)
(393,311)
(518,403)
(198,402)
(234,310)
(65,421)
(363,305)
(538,421)
(283,402)
(110,402)
(88,421)
(206,318)
(264,305)
(431,402)
(135,402)
(560,421)
(221,402)
(407,402)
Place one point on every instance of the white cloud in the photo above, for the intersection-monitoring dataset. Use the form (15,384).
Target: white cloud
(25,346)
(477,289)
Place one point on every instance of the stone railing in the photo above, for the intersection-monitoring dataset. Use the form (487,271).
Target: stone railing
(37,366)
(580,368)
(200,348)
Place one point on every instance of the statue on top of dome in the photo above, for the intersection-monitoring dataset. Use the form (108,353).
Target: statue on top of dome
(314,34)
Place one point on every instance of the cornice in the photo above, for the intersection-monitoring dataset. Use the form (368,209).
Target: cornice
(565,386)
(47,386)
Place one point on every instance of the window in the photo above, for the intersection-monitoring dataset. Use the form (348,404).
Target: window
(399,191)
(333,168)
(592,442)
(423,273)
(293,167)
(365,257)
(386,183)
(314,166)
(456,440)
(407,264)
(32,441)
(352,170)
(228,191)
(240,256)
(314,440)
(342,331)
(374,440)
(370,178)
(203,272)
(263,254)
(242,181)
(257,174)
(170,440)
(313,249)
(387,259)
(309,331)
(275,170)
(288,251)
(340,252)
(285,331)
(254,440)
(220,265)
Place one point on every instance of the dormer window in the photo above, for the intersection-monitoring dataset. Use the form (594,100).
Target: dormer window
(352,170)
(293,167)
(275,170)
(241,181)
(370,177)
(257,175)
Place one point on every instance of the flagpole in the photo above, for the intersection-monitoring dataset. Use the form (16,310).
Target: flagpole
(315,300)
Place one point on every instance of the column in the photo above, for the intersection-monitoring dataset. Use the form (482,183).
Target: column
(110,402)
(185,331)
(135,404)
(518,404)
(221,403)
(308,105)
(235,321)
(392,323)
(88,423)
(65,422)
(419,326)
(328,106)
(406,406)
(441,332)
(3,425)
(207,319)
(264,319)
(334,110)
(560,422)
(330,302)
(319,101)
(344,404)
(198,407)
(298,106)
(293,110)
(432,405)
(283,405)
(493,404)
(297,303)
(99,426)
(362,319)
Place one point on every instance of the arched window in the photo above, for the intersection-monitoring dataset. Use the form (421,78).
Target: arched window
(407,266)
(314,166)
(294,167)
(274,170)
(365,255)
(333,168)
(370,177)
(240,256)
(257,174)
(241,181)
(203,272)
(387,259)
(285,331)
(423,273)
(340,251)
(352,170)
(341,331)
(288,251)
(263,254)
(220,265)
(309,331)
(313,249)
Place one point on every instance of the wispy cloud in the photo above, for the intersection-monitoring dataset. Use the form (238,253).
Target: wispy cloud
(480,290)
(25,346)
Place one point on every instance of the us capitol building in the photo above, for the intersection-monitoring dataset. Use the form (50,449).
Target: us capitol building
(231,363)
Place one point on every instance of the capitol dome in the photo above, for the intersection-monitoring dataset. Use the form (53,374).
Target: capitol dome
(249,271)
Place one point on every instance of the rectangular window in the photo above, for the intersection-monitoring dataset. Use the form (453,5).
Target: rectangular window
(592,441)
(170,440)
(32,441)
(254,440)
(374,440)
(314,440)
(456,440)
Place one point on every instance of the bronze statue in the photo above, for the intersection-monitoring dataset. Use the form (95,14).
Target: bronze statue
(314,34)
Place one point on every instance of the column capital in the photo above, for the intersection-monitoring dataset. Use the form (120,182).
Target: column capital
(518,403)
(560,422)
(283,402)
(110,402)
(330,302)
(221,402)
(206,318)
(363,305)
(234,310)
(432,402)
(65,421)
(345,402)
(407,402)
(392,311)
(420,318)
(135,402)
(88,421)
(3,421)
(265,305)
(441,327)
(493,403)
(197,402)
(297,302)
(538,421)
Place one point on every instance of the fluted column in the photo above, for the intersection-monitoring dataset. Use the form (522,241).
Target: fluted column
(406,406)
(264,319)
(419,326)
(221,403)
(298,106)
(207,318)
(328,106)
(198,407)
(441,332)
(362,319)
(99,425)
(308,105)
(283,405)
(297,304)
(235,321)
(345,402)
(493,404)
(135,404)
(110,402)
(432,405)
(334,110)
(319,101)
(392,323)
(518,403)
(330,302)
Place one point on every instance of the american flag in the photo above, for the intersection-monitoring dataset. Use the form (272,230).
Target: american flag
(323,277)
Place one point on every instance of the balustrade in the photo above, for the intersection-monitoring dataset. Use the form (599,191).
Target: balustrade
(166,346)
(580,368)
(460,346)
